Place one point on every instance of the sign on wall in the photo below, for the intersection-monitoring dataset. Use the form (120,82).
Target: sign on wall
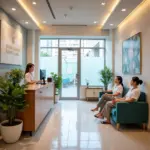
(11,45)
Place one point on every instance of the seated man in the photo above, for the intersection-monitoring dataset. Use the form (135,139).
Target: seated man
(132,95)
(117,93)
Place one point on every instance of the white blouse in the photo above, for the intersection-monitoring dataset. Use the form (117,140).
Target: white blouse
(118,89)
(28,77)
(133,93)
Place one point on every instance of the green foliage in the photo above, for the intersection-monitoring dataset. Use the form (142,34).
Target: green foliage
(106,76)
(12,94)
(44,54)
(58,81)
(15,75)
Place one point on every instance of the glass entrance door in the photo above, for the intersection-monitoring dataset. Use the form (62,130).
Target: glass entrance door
(69,69)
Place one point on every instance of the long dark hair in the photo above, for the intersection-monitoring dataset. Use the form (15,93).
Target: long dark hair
(137,80)
(120,80)
(29,65)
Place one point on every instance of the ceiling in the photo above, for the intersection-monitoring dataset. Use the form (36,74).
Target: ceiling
(70,12)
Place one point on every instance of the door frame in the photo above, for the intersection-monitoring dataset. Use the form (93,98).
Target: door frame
(78,71)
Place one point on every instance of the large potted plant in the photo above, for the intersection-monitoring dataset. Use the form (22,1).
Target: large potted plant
(11,101)
(106,76)
(58,83)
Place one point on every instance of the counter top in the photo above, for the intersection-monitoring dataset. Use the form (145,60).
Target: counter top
(34,87)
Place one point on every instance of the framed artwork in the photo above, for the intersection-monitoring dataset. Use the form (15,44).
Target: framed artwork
(131,55)
(11,44)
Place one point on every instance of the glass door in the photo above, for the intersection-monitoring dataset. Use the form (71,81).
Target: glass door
(70,72)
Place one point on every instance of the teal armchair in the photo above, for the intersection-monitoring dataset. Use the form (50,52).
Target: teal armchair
(131,113)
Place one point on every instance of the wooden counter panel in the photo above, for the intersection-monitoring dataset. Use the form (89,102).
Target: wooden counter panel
(28,115)
(40,101)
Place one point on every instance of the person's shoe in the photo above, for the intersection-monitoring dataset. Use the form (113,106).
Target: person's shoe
(98,115)
(95,109)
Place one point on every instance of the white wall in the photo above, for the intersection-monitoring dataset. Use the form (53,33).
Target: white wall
(138,21)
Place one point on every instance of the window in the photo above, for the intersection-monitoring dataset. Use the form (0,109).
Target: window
(69,43)
(92,43)
(92,57)
(92,61)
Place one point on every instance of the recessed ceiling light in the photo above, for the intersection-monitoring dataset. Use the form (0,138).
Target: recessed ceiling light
(111,24)
(44,22)
(34,3)
(123,9)
(95,22)
(103,3)
(13,9)
(26,22)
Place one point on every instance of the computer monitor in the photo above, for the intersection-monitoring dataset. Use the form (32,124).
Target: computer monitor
(42,74)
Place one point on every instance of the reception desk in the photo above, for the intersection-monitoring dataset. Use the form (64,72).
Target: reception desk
(40,98)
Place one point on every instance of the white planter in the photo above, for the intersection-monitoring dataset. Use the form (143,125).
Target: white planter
(11,134)
(57,98)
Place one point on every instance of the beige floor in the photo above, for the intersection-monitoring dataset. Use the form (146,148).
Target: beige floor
(71,126)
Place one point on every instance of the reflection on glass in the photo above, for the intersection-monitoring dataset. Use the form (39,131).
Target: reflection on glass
(49,60)
(69,73)
(92,61)
(92,43)
(69,43)
(48,43)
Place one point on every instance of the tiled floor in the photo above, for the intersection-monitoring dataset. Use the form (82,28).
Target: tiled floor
(71,126)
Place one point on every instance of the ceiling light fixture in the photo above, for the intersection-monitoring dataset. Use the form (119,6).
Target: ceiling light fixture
(103,3)
(111,24)
(28,11)
(95,22)
(114,5)
(123,9)
(26,22)
(13,9)
(34,3)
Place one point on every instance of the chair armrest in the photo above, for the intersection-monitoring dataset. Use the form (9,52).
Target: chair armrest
(132,112)
(101,93)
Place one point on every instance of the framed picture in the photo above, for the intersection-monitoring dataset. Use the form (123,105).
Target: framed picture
(11,44)
(131,55)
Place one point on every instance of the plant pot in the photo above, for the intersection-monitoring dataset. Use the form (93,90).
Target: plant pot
(11,134)
(57,98)
(49,79)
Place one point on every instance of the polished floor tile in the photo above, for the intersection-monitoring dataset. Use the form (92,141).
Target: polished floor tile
(71,126)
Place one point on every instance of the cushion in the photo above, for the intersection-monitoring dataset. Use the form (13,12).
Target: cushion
(142,97)
(113,112)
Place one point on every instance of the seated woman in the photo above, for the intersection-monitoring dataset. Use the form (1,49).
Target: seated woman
(29,74)
(117,93)
(132,96)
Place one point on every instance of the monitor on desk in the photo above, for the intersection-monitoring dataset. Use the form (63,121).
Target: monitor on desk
(42,74)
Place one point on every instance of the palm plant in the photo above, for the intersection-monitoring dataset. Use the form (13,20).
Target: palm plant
(106,76)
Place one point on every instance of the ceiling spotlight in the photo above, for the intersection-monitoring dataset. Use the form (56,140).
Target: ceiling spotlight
(26,22)
(13,9)
(95,22)
(34,3)
(111,24)
(103,3)
(44,22)
(123,9)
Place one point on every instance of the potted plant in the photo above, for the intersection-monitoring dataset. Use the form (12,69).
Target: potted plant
(106,77)
(11,101)
(58,83)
